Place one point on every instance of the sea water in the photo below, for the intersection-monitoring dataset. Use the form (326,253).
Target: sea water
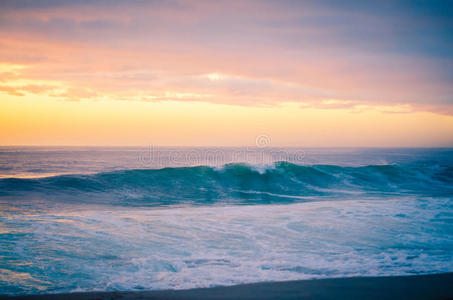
(102,219)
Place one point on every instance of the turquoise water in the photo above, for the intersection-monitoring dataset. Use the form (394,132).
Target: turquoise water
(85,219)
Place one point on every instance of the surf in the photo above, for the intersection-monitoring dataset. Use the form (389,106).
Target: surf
(281,182)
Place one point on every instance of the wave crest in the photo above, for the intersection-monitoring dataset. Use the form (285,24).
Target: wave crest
(282,182)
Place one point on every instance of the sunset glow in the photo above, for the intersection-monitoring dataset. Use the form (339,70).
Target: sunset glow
(221,73)
(207,149)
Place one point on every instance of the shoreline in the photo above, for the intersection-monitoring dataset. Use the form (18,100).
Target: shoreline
(431,286)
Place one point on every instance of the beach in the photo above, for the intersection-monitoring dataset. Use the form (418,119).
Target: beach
(226,149)
(184,229)
(437,286)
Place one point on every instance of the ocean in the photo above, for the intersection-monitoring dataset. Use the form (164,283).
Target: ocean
(113,218)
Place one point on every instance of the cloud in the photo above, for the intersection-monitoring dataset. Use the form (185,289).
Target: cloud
(263,52)
(27,89)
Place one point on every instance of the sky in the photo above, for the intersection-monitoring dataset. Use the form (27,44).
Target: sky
(221,73)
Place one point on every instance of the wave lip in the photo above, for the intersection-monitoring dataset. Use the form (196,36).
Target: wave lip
(282,182)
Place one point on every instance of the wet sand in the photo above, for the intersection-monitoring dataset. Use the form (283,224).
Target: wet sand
(438,286)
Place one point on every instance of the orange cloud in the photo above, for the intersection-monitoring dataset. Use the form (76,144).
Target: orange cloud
(251,56)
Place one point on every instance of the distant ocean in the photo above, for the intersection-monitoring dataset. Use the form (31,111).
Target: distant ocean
(102,219)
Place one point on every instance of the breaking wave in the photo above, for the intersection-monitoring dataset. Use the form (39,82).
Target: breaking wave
(232,184)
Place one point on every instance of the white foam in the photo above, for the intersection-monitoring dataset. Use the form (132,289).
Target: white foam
(177,248)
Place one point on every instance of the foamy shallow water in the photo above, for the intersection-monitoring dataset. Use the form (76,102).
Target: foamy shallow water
(77,248)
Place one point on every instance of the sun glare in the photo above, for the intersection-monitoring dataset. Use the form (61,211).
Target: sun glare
(215,76)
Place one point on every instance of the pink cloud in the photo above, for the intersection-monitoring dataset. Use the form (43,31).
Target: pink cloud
(269,53)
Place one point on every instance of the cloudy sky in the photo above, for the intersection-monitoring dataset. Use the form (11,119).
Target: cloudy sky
(304,73)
